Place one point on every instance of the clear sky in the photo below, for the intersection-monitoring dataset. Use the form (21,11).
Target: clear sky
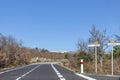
(57,25)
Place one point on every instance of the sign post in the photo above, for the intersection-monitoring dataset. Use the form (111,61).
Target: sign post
(112,43)
(95,45)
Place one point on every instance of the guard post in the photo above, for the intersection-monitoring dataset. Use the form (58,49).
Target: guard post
(81,64)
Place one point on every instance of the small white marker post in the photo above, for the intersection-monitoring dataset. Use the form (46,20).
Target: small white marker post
(95,45)
(112,43)
(81,63)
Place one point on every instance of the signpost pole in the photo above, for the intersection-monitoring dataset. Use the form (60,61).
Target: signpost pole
(96,59)
(112,60)
(112,43)
(95,45)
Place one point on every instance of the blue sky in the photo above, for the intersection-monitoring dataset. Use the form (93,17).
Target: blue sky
(57,25)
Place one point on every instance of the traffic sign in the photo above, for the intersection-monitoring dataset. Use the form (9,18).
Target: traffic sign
(95,42)
(112,43)
(94,45)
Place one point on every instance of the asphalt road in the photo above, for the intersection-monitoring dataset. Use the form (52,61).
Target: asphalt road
(47,72)
(39,72)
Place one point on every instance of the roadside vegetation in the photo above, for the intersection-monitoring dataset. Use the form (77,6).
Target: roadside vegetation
(13,53)
(103,53)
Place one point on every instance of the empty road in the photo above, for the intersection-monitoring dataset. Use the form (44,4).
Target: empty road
(39,72)
(42,72)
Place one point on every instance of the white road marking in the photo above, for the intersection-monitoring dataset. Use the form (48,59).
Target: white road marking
(86,77)
(27,72)
(13,69)
(58,73)
(62,79)
(60,76)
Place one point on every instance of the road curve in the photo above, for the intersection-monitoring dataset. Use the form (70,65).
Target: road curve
(39,72)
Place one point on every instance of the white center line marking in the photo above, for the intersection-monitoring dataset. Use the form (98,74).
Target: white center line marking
(28,72)
(62,79)
(60,76)
(58,73)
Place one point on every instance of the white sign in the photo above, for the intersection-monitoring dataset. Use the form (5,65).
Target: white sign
(94,45)
(113,44)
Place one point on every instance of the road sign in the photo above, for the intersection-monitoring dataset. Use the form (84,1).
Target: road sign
(112,43)
(95,44)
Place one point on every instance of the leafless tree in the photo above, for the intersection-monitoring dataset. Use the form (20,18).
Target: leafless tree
(102,38)
(82,45)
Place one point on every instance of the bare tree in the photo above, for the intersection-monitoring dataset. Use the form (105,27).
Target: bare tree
(102,38)
(82,45)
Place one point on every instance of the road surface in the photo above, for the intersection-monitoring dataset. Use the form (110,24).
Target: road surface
(43,72)
(39,72)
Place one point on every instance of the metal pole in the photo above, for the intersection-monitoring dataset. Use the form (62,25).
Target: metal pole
(112,60)
(96,59)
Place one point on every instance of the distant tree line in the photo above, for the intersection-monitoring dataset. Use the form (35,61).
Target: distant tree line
(12,53)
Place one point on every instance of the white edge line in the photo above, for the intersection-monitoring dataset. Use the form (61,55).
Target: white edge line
(27,72)
(14,69)
(86,77)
